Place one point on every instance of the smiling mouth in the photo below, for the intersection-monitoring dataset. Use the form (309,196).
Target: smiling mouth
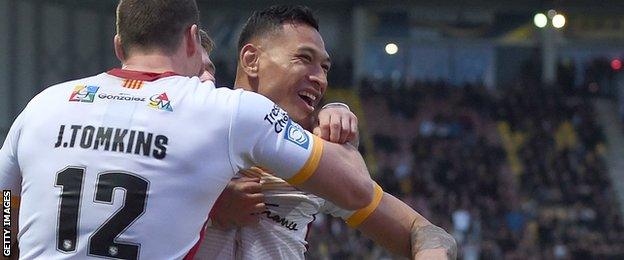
(308,98)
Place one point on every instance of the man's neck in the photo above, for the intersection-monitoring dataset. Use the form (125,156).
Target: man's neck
(243,84)
(153,62)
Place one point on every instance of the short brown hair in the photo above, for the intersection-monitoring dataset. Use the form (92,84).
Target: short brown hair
(206,42)
(154,24)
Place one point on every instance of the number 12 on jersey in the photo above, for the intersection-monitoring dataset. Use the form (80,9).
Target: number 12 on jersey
(102,241)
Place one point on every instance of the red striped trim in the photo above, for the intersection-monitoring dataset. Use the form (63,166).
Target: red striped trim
(140,75)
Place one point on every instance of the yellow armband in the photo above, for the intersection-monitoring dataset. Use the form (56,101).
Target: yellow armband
(361,214)
(310,165)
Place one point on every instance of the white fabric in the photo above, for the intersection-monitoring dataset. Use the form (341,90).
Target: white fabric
(195,137)
(281,232)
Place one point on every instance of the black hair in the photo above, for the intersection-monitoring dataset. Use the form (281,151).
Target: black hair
(271,20)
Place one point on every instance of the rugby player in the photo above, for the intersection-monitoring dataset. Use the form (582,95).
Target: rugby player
(128,163)
(281,54)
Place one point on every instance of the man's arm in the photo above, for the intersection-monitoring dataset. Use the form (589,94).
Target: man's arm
(263,134)
(341,177)
(388,221)
(390,224)
(242,198)
(338,125)
(401,230)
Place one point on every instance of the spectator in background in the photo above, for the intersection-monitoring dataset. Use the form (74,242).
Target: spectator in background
(546,209)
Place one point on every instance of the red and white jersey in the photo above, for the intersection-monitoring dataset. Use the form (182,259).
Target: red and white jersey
(128,164)
(283,227)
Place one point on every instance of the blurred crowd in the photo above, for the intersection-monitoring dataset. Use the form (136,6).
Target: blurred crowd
(516,173)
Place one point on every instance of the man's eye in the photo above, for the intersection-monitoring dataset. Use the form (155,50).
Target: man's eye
(306,57)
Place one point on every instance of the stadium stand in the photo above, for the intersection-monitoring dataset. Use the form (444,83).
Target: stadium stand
(516,173)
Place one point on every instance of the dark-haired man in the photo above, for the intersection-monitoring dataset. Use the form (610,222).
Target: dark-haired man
(127,164)
(282,56)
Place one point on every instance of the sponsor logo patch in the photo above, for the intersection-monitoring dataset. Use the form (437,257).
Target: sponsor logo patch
(297,135)
(277,118)
(160,102)
(83,93)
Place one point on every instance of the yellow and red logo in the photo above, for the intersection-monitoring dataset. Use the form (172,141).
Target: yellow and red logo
(132,84)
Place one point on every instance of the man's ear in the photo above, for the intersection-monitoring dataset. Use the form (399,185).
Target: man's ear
(192,40)
(119,51)
(249,59)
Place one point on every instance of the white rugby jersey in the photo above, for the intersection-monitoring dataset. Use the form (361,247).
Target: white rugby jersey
(283,227)
(128,164)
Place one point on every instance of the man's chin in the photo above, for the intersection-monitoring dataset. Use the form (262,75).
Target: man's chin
(306,121)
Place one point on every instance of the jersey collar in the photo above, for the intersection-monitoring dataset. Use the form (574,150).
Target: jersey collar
(140,75)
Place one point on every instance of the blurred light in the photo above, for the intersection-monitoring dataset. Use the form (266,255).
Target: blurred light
(540,20)
(392,48)
(559,21)
(551,13)
(616,64)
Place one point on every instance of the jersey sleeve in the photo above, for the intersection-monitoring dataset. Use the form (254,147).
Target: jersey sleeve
(330,208)
(262,134)
(10,176)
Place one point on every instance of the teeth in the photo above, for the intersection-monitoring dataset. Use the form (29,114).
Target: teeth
(308,94)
